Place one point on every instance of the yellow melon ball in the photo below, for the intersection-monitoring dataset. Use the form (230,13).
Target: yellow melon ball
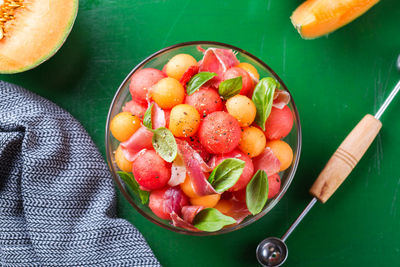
(122,163)
(123,125)
(208,201)
(282,151)
(168,92)
(188,189)
(177,65)
(242,108)
(250,69)
(184,120)
(224,206)
(252,141)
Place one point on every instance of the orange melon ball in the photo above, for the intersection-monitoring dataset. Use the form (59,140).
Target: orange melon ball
(123,125)
(187,188)
(168,92)
(252,141)
(224,206)
(241,108)
(184,120)
(122,163)
(250,69)
(178,64)
(208,201)
(282,151)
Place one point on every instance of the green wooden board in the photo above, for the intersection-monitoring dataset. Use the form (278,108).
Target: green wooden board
(335,80)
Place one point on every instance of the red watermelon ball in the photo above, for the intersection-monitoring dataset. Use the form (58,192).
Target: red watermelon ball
(151,171)
(206,100)
(248,170)
(219,133)
(135,108)
(279,123)
(274,185)
(142,81)
(156,203)
(247,82)
(163,202)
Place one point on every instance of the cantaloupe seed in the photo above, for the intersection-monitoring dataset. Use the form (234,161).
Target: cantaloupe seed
(7,11)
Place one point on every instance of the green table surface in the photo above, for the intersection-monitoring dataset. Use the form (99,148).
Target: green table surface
(335,80)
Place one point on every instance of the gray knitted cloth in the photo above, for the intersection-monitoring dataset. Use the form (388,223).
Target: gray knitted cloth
(57,200)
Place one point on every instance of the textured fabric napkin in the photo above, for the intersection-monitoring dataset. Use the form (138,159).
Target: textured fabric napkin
(57,200)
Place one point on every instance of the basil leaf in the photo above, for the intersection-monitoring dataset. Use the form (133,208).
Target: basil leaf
(226,174)
(257,192)
(198,80)
(130,181)
(263,97)
(147,117)
(164,144)
(230,87)
(211,220)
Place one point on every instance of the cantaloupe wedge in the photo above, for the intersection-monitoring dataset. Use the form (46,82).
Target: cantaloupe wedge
(315,18)
(31,31)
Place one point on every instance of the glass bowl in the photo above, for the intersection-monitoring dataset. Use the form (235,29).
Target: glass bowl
(158,60)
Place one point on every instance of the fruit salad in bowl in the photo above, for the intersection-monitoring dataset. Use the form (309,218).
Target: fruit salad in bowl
(203,138)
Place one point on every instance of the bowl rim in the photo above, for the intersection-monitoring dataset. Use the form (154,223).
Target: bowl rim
(241,225)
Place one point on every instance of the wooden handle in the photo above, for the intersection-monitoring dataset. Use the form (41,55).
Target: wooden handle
(345,158)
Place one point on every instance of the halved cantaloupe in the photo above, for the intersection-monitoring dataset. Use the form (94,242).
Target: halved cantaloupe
(315,18)
(31,31)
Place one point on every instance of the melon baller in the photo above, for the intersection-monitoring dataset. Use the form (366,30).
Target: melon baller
(273,251)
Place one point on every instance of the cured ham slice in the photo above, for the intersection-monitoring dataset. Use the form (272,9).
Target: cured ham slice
(174,200)
(190,151)
(158,117)
(189,212)
(179,222)
(189,73)
(139,140)
(132,155)
(281,99)
(267,161)
(195,167)
(217,60)
(178,171)
(238,211)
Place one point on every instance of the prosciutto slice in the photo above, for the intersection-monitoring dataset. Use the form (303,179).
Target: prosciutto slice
(174,200)
(191,151)
(189,73)
(281,99)
(158,117)
(217,60)
(178,171)
(189,212)
(139,140)
(238,211)
(132,155)
(195,167)
(267,161)
(179,222)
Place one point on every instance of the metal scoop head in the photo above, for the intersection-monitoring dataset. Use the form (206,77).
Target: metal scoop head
(272,251)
